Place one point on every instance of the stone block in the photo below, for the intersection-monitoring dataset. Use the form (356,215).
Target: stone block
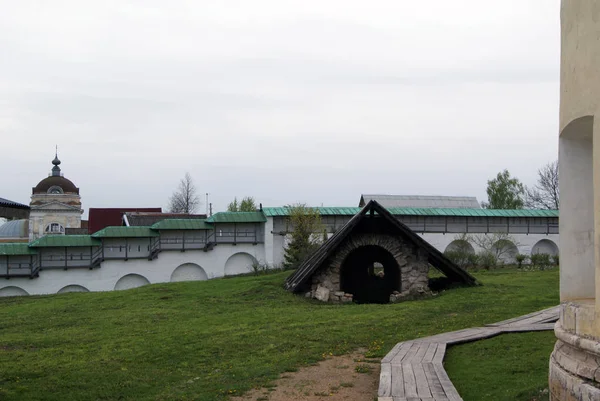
(567,316)
(322,294)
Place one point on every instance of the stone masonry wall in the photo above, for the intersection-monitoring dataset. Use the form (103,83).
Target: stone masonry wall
(574,371)
(412,262)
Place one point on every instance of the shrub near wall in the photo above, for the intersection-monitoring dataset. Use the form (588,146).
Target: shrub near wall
(521,259)
(461,258)
(541,261)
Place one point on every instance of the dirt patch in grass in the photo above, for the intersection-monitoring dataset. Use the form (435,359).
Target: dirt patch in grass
(347,377)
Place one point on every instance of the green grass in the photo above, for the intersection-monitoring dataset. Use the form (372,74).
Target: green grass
(508,367)
(206,340)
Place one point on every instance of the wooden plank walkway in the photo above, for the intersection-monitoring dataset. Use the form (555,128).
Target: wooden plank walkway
(414,371)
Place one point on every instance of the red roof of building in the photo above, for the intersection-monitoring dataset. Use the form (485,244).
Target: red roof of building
(98,218)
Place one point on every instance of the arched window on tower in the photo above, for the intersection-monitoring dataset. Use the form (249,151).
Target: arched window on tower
(55,189)
(55,228)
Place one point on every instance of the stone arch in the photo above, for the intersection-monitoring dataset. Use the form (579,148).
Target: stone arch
(188,272)
(72,288)
(131,281)
(506,251)
(358,274)
(410,264)
(12,291)
(460,245)
(545,246)
(387,242)
(239,263)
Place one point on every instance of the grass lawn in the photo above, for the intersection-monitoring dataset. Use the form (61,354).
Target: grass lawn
(508,367)
(206,340)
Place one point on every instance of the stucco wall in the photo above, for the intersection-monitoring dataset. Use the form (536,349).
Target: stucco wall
(159,270)
(579,104)
(574,362)
(39,220)
(223,259)
(524,243)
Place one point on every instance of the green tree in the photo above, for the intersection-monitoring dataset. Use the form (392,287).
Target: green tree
(504,192)
(306,227)
(246,205)
(233,206)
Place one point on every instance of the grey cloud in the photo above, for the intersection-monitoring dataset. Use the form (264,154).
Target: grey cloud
(310,102)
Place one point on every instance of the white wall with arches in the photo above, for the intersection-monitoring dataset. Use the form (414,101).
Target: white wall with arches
(120,274)
(223,259)
(524,244)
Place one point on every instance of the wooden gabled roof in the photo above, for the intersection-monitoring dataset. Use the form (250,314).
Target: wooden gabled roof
(435,257)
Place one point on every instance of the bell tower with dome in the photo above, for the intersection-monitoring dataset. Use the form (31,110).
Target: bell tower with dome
(55,205)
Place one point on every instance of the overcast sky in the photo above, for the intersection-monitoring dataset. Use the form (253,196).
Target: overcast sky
(286,101)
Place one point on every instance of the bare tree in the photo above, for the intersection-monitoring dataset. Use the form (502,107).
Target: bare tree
(544,195)
(184,199)
(498,246)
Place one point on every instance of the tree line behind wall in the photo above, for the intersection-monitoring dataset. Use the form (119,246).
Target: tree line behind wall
(507,192)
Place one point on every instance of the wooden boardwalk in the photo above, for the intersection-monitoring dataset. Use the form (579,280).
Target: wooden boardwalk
(414,370)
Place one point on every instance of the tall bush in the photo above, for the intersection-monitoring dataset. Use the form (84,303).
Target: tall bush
(306,234)
(541,260)
(459,257)
(520,259)
(487,260)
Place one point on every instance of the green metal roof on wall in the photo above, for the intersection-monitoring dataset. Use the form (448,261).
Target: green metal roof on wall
(458,212)
(237,217)
(16,248)
(325,211)
(182,224)
(65,240)
(125,232)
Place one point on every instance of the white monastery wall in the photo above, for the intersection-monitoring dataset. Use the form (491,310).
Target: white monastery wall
(174,265)
(121,274)
(524,243)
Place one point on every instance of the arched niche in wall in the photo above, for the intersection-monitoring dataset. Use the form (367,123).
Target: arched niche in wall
(460,245)
(131,281)
(189,272)
(239,263)
(545,246)
(576,224)
(72,288)
(12,291)
(506,251)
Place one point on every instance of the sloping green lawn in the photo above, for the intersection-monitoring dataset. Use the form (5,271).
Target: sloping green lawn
(504,368)
(206,340)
